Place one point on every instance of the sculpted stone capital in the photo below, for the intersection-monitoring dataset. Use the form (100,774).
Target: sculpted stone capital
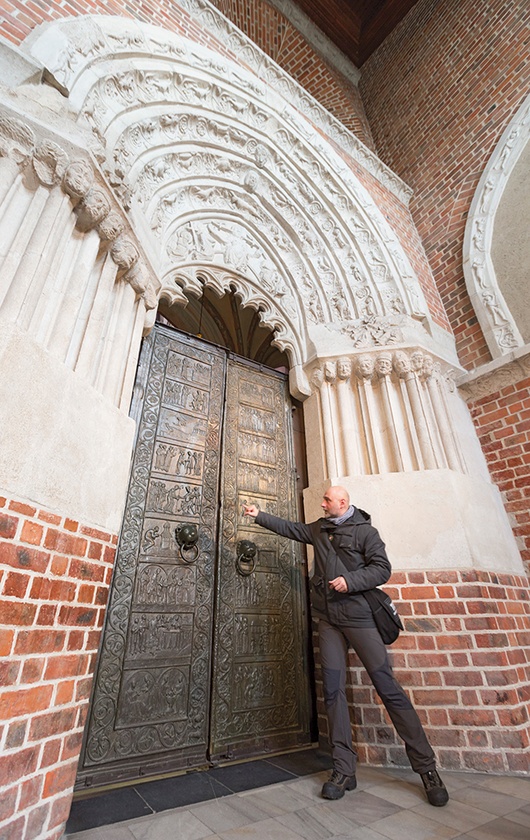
(330,371)
(137,278)
(429,368)
(383,365)
(402,364)
(150,298)
(49,163)
(365,366)
(344,368)
(111,226)
(92,209)
(317,378)
(16,139)
(78,178)
(124,253)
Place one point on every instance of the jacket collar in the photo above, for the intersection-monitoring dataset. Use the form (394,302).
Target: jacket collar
(359,517)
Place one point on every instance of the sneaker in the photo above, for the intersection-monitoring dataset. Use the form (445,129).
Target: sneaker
(434,788)
(336,785)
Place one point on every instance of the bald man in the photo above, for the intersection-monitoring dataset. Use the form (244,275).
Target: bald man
(350,558)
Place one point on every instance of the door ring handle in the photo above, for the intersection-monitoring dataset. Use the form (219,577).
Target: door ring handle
(246,557)
(187,537)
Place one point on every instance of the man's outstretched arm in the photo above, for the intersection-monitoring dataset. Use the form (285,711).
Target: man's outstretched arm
(293,530)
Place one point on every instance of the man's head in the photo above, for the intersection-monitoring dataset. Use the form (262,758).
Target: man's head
(335,502)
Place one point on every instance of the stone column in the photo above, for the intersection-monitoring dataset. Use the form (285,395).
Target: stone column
(403,368)
(383,369)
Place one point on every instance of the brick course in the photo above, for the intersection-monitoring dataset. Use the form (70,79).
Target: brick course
(52,607)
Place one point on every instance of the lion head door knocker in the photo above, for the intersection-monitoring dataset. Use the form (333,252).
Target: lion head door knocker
(187,537)
(247,552)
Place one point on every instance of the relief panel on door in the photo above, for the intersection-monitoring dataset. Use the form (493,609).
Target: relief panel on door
(152,685)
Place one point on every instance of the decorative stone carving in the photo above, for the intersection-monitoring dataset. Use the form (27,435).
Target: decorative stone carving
(498,324)
(96,347)
(365,366)
(373,332)
(344,368)
(493,377)
(111,226)
(124,253)
(17,139)
(230,92)
(49,162)
(391,392)
(78,178)
(383,364)
(92,209)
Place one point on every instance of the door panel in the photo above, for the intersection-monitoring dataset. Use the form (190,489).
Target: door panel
(260,693)
(152,695)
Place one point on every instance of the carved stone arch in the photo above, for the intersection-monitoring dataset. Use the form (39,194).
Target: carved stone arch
(193,279)
(342,258)
(498,323)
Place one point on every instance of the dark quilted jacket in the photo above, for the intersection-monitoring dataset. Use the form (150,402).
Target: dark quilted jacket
(354,550)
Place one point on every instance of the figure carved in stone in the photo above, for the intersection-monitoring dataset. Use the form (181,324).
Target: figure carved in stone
(49,163)
(124,253)
(490,302)
(78,178)
(479,270)
(416,361)
(402,364)
(486,195)
(365,366)
(427,368)
(344,368)
(330,372)
(92,209)
(478,234)
(317,378)
(16,139)
(508,147)
(383,364)
(111,226)
(367,308)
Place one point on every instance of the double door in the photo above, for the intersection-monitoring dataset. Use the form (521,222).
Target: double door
(204,651)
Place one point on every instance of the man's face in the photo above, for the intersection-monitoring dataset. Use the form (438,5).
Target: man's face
(332,505)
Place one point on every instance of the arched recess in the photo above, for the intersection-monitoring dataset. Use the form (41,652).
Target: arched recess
(215,169)
(500,316)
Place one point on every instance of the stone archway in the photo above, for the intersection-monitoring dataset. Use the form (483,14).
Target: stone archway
(216,171)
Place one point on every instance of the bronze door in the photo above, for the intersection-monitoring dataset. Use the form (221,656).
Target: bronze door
(203,656)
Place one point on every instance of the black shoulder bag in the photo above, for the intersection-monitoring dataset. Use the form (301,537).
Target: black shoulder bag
(384,612)
(385,615)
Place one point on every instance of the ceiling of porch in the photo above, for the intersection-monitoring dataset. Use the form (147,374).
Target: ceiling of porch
(356,27)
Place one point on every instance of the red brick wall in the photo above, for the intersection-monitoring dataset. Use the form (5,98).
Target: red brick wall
(438,94)
(54,579)
(463,660)
(502,420)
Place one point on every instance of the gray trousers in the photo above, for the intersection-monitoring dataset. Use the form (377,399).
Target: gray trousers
(369,647)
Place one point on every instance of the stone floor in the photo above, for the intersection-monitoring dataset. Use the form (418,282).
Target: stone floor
(279,799)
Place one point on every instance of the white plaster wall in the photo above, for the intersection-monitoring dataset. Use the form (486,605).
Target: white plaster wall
(435,519)
(64,446)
